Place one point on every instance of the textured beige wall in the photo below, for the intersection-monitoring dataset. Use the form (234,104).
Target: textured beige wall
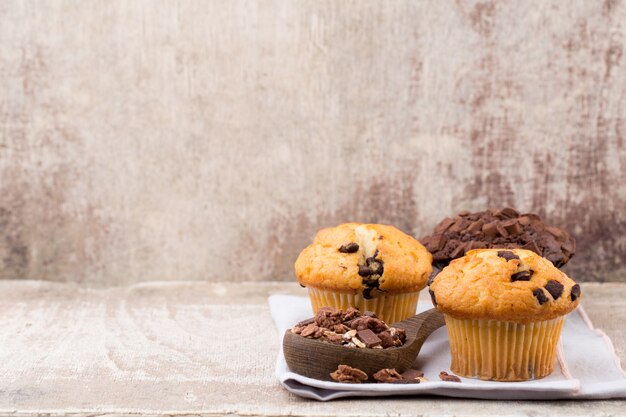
(210,139)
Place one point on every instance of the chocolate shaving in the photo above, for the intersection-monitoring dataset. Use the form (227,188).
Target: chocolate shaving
(501,230)
(476,227)
(509,212)
(532,246)
(406,381)
(348,374)
(504,228)
(306,322)
(459,251)
(444,225)
(512,227)
(412,374)
(387,375)
(386,339)
(334,326)
(490,230)
(444,376)
(434,243)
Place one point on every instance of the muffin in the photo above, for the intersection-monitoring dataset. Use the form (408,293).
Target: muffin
(504,309)
(498,228)
(372,267)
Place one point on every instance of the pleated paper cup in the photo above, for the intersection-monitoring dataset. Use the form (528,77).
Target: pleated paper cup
(503,351)
(389,308)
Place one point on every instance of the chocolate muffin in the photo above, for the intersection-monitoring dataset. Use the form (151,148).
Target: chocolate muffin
(498,228)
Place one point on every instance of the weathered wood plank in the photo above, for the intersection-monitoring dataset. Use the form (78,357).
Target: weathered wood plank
(197,348)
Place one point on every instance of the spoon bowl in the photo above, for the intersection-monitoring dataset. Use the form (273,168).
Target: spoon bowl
(314,358)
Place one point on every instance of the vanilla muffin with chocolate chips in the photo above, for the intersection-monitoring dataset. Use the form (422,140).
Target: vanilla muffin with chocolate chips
(372,267)
(504,309)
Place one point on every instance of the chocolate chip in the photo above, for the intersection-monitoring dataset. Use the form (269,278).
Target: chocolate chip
(349,248)
(375,266)
(575,292)
(522,276)
(368,337)
(555,288)
(365,271)
(508,255)
(367,293)
(371,281)
(432,297)
(370,314)
(541,296)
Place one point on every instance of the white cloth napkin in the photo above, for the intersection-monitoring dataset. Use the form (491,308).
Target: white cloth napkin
(586,368)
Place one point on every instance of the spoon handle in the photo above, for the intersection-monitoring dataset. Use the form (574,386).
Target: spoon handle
(422,325)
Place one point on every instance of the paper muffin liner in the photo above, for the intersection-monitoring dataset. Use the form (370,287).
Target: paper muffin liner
(503,351)
(389,308)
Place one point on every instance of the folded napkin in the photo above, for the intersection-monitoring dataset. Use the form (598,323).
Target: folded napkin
(586,368)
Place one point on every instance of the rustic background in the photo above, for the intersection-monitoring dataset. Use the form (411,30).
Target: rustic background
(209,140)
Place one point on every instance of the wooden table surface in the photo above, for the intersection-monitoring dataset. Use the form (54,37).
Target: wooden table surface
(172,348)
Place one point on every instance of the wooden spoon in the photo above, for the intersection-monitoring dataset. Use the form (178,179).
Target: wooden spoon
(317,359)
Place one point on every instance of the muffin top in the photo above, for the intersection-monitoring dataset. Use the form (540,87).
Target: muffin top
(372,259)
(504,284)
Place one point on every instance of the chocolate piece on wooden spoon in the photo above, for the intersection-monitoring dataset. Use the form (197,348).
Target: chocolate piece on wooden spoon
(317,359)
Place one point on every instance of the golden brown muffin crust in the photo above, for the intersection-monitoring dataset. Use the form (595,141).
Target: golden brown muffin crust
(491,284)
(405,263)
